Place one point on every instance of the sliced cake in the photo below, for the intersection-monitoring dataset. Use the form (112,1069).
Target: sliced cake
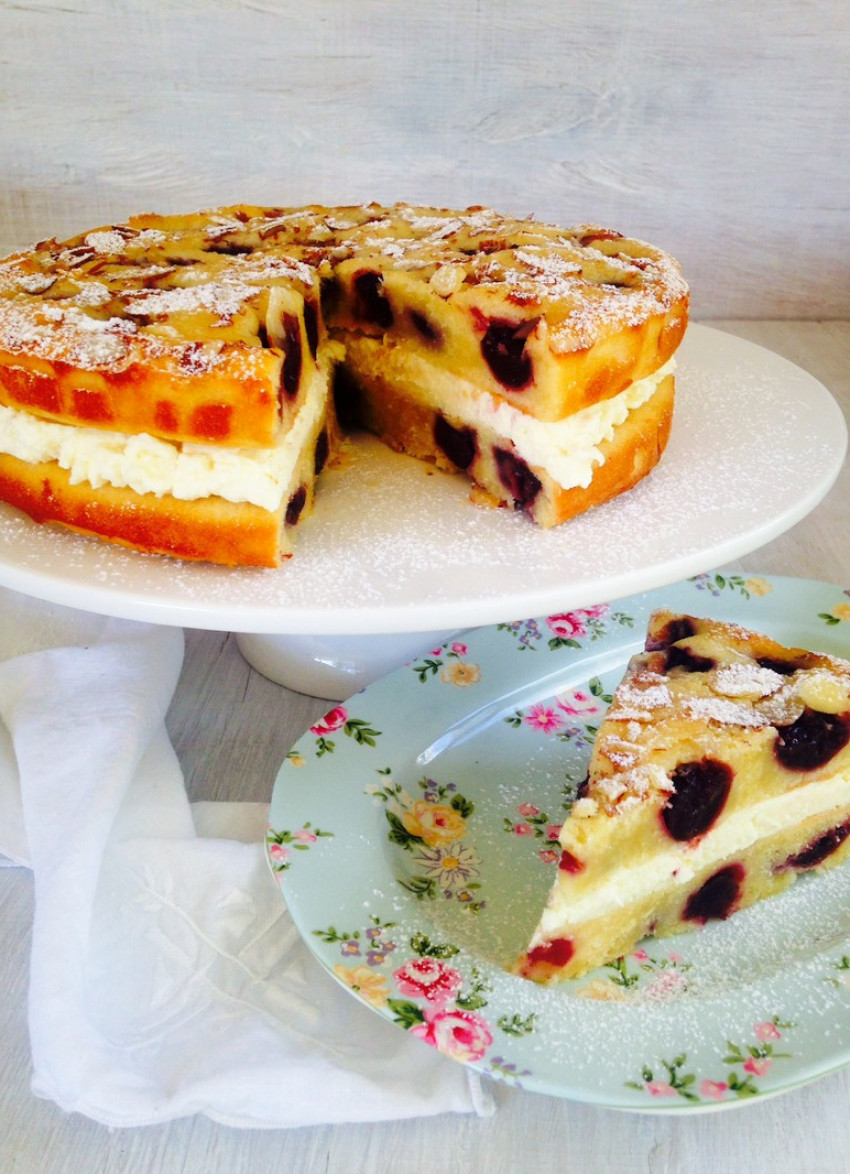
(166,383)
(720,772)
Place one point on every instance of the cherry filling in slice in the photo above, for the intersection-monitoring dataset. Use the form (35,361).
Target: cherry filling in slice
(521,483)
(679,628)
(686,661)
(321,453)
(296,505)
(311,327)
(700,790)
(503,348)
(459,444)
(371,303)
(426,328)
(818,850)
(716,899)
(812,740)
(558,952)
(290,375)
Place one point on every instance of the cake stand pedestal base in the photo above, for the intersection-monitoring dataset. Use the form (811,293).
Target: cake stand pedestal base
(332,667)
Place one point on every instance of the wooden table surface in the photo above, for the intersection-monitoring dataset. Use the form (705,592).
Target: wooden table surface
(231,729)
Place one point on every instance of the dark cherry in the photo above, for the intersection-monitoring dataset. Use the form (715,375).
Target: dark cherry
(717,898)
(818,850)
(678,629)
(700,790)
(311,327)
(459,444)
(372,304)
(229,248)
(347,397)
(785,668)
(812,740)
(330,296)
(320,456)
(426,328)
(517,478)
(296,505)
(503,348)
(687,661)
(570,863)
(555,953)
(290,377)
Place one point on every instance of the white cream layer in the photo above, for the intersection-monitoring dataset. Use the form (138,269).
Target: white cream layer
(567,449)
(733,836)
(147,464)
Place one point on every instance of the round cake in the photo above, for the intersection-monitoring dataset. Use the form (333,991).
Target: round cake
(177,383)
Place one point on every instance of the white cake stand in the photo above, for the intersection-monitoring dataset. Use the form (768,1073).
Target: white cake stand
(395,559)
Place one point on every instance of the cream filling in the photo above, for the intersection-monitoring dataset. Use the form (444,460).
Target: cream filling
(567,449)
(146,464)
(734,835)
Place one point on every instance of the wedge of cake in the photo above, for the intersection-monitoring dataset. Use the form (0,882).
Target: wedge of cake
(720,773)
(166,383)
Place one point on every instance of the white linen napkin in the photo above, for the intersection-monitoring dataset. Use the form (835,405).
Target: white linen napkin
(166,976)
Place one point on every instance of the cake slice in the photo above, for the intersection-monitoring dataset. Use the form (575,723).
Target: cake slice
(720,772)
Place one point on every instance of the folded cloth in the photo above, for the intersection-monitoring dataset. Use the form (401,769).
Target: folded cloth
(167,978)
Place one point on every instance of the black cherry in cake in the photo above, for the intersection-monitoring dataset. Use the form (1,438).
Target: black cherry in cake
(719,774)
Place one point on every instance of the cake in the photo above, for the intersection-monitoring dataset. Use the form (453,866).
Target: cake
(175,383)
(720,772)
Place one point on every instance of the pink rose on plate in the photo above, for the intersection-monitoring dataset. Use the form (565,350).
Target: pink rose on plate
(660,1088)
(462,1035)
(766,1031)
(333,720)
(571,624)
(279,854)
(758,1066)
(714,1090)
(579,703)
(428,978)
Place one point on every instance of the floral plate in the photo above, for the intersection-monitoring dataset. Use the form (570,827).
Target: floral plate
(413,832)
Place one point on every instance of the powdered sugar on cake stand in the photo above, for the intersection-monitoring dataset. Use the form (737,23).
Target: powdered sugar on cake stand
(395,558)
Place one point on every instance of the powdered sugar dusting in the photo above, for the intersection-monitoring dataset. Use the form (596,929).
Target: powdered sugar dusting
(746,680)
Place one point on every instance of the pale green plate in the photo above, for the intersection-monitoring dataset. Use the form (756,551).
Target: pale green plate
(413,834)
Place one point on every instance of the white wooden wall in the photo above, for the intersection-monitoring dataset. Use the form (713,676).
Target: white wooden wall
(719,130)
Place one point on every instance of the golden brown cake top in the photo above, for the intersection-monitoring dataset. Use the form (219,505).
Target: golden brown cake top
(702,694)
(194,289)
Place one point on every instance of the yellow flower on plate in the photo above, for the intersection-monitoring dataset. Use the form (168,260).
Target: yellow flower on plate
(758,586)
(841,611)
(370,985)
(433,823)
(460,673)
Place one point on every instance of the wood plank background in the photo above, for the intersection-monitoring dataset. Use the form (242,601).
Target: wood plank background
(719,131)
